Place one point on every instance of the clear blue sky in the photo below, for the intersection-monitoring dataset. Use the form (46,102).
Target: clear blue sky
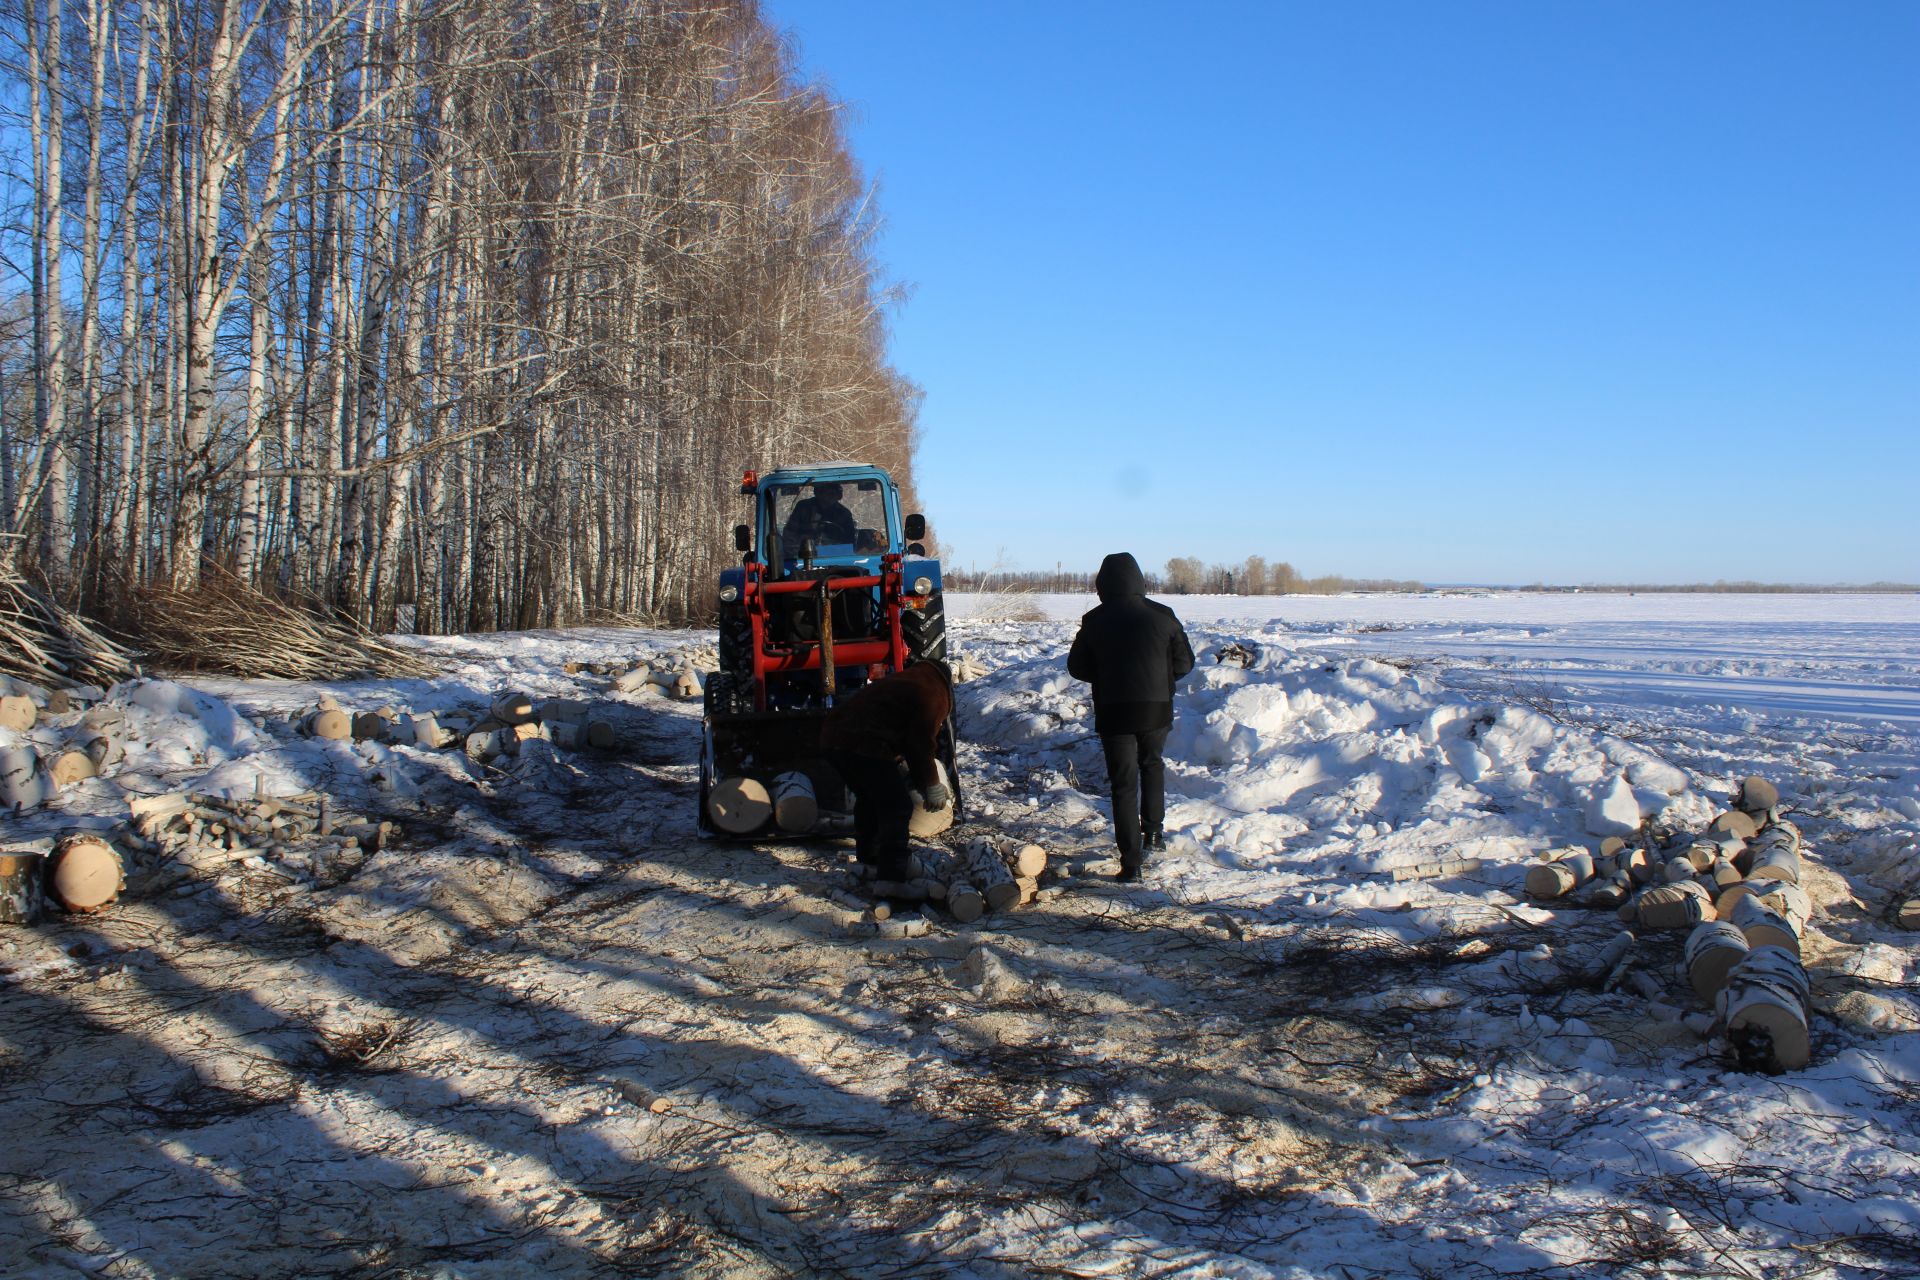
(1498,292)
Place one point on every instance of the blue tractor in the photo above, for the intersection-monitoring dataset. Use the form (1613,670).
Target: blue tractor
(834,589)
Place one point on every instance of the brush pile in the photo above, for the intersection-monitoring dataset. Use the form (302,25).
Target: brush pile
(44,642)
(228,627)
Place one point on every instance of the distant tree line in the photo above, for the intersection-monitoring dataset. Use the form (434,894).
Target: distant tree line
(478,308)
(1182,576)
(1748,588)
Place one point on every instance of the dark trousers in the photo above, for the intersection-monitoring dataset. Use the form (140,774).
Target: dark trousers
(882,804)
(1138,777)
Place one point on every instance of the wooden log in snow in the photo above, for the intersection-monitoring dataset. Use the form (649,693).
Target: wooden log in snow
(85,874)
(924,824)
(1765,927)
(1775,855)
(1764,1008)
(989,874)
(422,731)
(512,708)
(17,712)
(1734,822)
(369,726)
(1445,867)
(739,805)
(564,710)
(1908,916)
(330,723)
(794,806)
(1713,948)
(1027,860)
(71,766)
(103,736)
(1562,871)
(1756,795)
(1673,906)
(963,898)
(631,681)
(22,783)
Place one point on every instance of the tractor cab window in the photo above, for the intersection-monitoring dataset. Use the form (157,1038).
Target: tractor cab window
(839,518)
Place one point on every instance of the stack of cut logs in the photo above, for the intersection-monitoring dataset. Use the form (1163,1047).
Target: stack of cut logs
(208,833)
(93,742)
(985,873)
(680,678)
(1737,887)
(513,718)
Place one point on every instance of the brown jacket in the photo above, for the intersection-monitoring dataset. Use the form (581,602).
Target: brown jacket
(899,716)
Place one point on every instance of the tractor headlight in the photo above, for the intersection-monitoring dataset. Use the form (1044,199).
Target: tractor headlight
(729,593)
(923,586)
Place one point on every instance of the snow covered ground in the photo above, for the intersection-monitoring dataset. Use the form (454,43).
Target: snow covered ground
(552,1030)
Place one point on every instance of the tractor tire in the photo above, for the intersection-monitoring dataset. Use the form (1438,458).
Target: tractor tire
(925,629)
(736,645)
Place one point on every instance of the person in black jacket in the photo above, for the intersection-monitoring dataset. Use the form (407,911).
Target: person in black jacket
(1131,650)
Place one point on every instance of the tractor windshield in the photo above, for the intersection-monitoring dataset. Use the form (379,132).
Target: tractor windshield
(839,517)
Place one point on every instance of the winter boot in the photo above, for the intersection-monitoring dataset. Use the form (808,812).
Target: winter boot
(1154,841)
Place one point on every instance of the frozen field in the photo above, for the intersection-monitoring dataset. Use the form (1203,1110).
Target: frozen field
(552,1031)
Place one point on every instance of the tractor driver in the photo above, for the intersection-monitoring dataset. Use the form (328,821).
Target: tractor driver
(820,519)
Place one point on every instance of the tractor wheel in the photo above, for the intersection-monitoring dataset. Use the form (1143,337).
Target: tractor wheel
(925,629)
(736,644)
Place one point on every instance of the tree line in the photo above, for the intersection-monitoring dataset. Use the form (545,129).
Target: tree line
(1183,575)
(477,308)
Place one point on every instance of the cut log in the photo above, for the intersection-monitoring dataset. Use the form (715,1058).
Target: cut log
(59,702)
(1756,795)
(1612,847)
(1713,948)
(564,710)
(1673,906)
(794,805)
(85,874)
(739,805)
(687,684)
(422,731)
(103,736)
(1548,880)
(1790,900)
(512,708)
(328,722)
(1677,870)
(369,726)
(487,745)
(1735,823)
(1638,865)
(1027,860)
(1606,892)
(1702,854)
(1435,870)
(1775,855)
(631,681)
(1764,1008)
(1765,927)
(22,892)
(964,900)
(17,712)
(22,784)
(71,766)
(1909,914)
(923,824)
(989,874)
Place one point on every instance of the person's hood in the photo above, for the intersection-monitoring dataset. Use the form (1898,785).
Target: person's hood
(1119,577)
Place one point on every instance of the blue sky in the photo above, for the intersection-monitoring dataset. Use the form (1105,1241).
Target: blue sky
(1461,292)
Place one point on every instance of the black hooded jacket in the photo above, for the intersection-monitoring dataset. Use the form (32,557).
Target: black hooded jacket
(1131,650)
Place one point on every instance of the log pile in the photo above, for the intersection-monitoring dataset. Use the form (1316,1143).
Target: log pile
(30,774)
(214,834)
(511,719)
(1736,888)
(985,873)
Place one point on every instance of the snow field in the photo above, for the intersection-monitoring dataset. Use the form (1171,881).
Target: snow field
(1272,1060)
